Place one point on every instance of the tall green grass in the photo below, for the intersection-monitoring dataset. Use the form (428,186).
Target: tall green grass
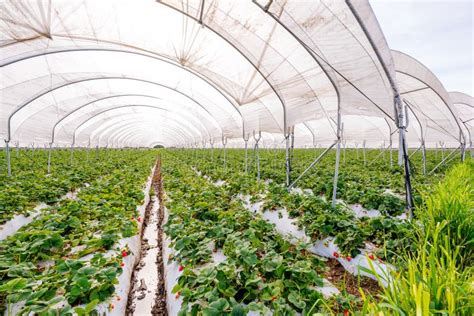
(437,278)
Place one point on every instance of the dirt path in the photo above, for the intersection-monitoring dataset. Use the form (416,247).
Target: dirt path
(148,294)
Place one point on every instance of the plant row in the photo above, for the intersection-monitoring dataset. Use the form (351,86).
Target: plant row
(69,256)
(30,183)
(262,271)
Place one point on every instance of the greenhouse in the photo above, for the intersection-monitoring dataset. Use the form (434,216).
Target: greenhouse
(237,157)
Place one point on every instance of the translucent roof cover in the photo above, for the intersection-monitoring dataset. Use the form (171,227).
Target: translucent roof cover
(145,72)
(430,109)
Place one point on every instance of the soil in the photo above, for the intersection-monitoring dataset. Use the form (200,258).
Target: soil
(343,280)
(160,300)
(138,288)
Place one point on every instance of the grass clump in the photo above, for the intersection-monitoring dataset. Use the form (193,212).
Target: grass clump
(437,278)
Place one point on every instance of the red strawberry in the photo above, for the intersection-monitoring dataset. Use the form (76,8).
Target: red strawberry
(122,264)
(181,268)
(346,312)
(124,253)
(177,295)
(348,258)
(111,306)
(371,257)
(139,219)
(132,218)
(335,254)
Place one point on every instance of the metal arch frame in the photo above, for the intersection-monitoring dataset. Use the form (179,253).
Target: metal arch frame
(130,129)
(116,108)
(400,118)
(124,129)
(62,85)
(265,78)
(122,95)
(116,127)
(336,88)
(53,132)
(436,92)
(148,54)
(127,129)
(156,142)
(127,125)
(99,131)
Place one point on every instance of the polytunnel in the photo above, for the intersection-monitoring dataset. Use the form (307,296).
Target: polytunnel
(168,157)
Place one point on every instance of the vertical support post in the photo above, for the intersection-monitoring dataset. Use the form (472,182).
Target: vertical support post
(402,122)
(257,156)
(9,166)
(17,145)
(338,154)
(49,157)
(96,151)
(462,141)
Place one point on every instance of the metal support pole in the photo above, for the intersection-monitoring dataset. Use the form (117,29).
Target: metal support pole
(49,157)
(338,154)
(442,161)
(462,141)
(257,156)
(17,145)
(402,120)
(9,167)
(311,165)
(416,150)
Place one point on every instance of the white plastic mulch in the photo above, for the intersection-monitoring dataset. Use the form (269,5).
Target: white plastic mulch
(325,248)
(20,220)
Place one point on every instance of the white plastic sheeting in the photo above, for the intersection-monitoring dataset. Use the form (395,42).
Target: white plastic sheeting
(184,72)
(464,111)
